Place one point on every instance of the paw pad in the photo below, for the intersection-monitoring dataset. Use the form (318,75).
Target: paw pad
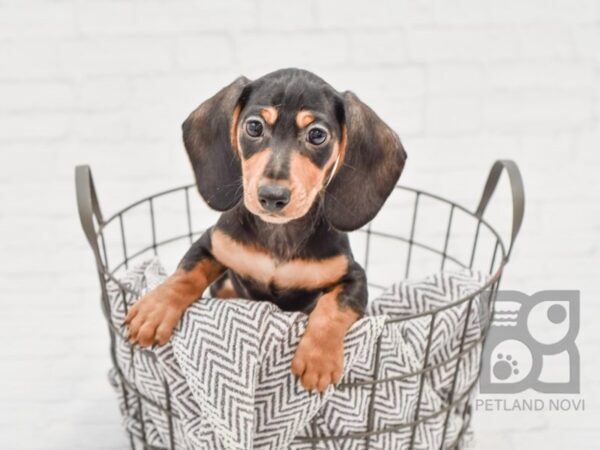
(505,367)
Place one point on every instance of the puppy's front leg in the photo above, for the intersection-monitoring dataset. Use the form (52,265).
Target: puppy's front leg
(319,359)
(154,316)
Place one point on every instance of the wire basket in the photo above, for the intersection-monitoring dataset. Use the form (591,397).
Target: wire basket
(454,237)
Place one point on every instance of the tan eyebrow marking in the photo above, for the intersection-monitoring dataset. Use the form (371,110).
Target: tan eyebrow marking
(304,118)
(269,114)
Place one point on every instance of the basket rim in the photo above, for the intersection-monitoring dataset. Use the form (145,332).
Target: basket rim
(110,275)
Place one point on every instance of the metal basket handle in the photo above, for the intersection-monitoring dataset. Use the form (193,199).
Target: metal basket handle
(518,195)
(89,210)
(88,206)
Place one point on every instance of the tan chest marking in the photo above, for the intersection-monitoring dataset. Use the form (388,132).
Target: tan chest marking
(257,264)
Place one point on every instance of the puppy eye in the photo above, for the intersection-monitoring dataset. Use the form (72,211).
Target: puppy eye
(316,136)
(254,128)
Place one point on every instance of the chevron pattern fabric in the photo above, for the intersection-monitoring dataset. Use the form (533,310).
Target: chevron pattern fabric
(226,374)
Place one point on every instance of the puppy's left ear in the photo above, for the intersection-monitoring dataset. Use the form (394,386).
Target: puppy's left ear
(209,135)
(373,158)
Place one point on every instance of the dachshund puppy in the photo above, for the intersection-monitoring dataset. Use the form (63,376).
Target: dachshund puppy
(293,165)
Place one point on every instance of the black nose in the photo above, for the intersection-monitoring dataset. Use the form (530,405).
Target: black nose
(273,198)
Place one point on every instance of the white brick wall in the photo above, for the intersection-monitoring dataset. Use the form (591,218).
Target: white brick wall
(108,83)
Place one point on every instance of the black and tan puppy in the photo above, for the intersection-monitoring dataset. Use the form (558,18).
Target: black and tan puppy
(293,164)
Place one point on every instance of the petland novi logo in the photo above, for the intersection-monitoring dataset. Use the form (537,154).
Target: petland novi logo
(531,344)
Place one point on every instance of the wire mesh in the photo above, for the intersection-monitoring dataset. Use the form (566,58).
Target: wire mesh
(97,229)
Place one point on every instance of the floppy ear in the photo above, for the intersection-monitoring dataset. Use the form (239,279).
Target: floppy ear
(209,135)
(373,159)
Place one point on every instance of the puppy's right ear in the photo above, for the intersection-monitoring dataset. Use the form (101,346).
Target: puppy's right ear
(210,138)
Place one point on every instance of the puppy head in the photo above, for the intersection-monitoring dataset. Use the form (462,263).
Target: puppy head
(287,139)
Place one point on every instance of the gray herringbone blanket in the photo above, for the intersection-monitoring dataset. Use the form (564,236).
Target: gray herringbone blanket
(227,369)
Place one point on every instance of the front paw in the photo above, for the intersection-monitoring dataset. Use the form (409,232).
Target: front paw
(318,362)
(153,318)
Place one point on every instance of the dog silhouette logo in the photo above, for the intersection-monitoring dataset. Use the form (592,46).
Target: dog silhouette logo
(531,344)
